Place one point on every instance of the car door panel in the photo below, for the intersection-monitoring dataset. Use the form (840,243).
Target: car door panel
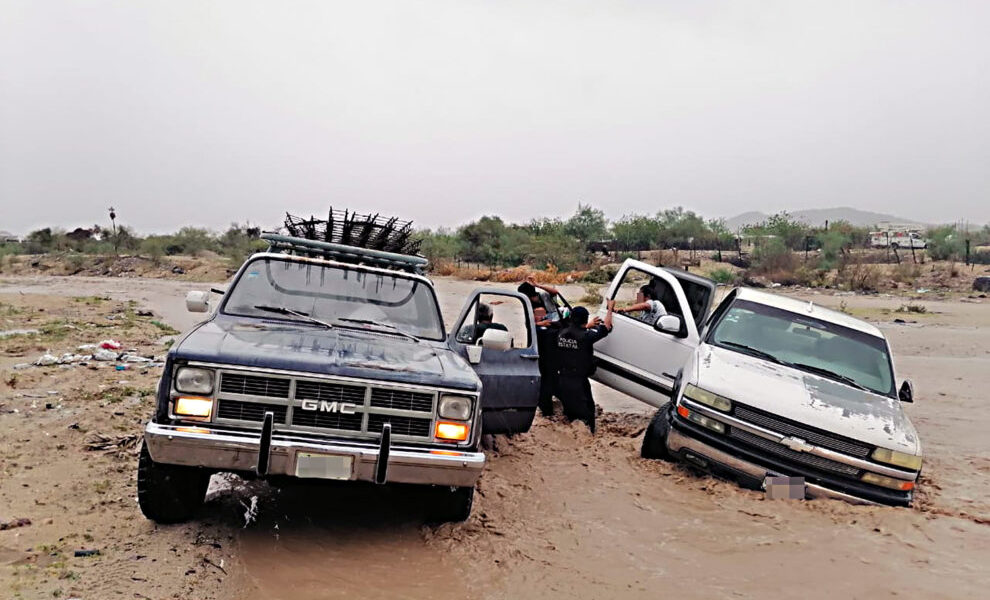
(636,358)
(511,378)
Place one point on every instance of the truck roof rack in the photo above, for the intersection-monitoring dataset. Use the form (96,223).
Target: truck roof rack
(351,238)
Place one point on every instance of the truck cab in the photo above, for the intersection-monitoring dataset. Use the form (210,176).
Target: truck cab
(327,361)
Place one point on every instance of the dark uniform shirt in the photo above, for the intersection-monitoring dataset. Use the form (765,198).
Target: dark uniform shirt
(574,350)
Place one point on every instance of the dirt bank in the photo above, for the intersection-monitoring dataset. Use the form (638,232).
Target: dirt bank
(559,513)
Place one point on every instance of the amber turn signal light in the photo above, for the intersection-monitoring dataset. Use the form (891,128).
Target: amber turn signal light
(452,432)
(189,406)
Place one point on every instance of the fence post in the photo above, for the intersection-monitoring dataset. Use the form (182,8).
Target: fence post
(967,253)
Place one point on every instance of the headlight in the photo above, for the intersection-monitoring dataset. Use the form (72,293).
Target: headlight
(191,380)
(898,459)
(888,482)
(455,407)
(693,392)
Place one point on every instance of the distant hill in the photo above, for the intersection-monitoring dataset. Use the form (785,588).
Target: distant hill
(818,216)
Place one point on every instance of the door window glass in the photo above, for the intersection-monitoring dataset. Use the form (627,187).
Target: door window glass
(495,311)
(629,293)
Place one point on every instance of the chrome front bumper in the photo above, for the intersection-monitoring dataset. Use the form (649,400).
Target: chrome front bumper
(225,450)
(679,443)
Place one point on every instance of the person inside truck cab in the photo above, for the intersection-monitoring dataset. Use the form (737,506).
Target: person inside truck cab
(646,304)
(483,321)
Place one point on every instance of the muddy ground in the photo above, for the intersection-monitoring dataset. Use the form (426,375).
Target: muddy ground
(560,514)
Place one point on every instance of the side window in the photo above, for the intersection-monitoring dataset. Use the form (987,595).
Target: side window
(627,294)
(494,311)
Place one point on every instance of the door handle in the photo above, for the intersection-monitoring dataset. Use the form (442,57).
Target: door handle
(530,356)
(668,375)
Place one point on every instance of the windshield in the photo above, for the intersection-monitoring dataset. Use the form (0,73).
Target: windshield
(334,294)
(806,343)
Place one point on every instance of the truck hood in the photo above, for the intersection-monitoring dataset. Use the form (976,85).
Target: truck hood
(806,398)
(339,352)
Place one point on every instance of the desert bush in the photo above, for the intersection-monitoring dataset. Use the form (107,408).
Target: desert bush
(722,275)
(906,272)
(945,243)
(601,274)
(912,308)
(592,295)
(860,277)
(74,262)
(773,256)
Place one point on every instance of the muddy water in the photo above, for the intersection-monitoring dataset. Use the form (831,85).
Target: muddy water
(344,542)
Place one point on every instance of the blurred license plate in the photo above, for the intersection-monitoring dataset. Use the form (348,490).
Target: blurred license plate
(323,466)
(784,488)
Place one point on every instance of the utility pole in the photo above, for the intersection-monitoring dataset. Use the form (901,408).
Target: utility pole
(113,223)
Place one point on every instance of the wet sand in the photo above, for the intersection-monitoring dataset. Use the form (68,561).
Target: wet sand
(562,514)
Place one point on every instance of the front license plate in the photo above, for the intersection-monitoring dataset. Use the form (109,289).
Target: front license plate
(784,488)
(323,466)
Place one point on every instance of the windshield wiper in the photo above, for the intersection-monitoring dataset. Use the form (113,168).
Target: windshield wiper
(831,375)
(384,325)
(755,352)
(295,313)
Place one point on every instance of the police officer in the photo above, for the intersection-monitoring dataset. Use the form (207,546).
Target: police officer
(546,338)
(576,362)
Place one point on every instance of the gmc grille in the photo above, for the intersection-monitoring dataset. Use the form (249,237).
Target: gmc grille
(246,397)
(248,385)
(249,411)
(401,399)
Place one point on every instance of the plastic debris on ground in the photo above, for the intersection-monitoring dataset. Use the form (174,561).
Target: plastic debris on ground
(46,359)
(104,355)
(110,345)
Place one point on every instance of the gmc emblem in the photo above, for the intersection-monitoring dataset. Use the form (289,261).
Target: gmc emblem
(326,406)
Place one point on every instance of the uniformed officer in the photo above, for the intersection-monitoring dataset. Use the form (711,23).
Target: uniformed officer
(576,362)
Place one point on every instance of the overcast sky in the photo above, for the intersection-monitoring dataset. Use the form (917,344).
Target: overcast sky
(207,112)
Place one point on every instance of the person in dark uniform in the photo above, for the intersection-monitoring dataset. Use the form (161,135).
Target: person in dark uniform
(546,340)
(575,360)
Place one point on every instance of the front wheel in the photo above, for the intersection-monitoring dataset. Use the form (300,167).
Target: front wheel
(169,493)
(452,505)
(655,438)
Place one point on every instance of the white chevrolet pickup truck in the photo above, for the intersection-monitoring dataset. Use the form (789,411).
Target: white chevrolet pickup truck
(763,386)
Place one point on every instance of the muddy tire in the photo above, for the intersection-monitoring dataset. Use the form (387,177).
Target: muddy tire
(169,493)
(452,505)
(655,438)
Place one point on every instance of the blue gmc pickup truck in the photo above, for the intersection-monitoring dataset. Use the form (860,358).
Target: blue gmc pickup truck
(327,361)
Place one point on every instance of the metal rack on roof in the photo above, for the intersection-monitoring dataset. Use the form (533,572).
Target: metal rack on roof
(352,238)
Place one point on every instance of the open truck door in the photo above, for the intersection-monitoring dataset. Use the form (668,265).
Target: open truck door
(504,354)
(642,359)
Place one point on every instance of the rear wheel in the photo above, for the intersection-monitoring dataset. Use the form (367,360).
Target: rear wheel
(452,505)
(169,493)
(655,438)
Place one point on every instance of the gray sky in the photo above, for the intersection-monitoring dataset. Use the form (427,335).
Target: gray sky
(202,113)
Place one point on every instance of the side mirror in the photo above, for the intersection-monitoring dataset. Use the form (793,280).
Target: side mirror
(668,324)
(906,393)
(198,302)
(496,339)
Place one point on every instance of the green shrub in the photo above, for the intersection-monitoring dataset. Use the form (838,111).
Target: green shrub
(722,275)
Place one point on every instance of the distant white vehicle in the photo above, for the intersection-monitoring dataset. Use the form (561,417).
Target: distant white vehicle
(898,239)
(8,238)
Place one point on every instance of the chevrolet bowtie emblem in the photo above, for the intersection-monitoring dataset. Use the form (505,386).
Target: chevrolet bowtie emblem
(796,444)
